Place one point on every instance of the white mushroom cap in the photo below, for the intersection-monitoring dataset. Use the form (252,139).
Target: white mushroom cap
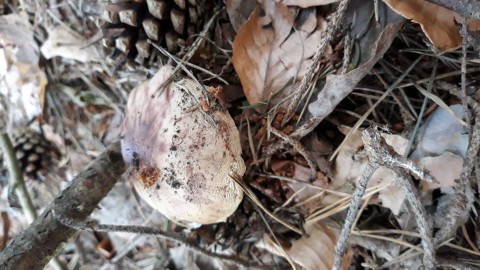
(182,155)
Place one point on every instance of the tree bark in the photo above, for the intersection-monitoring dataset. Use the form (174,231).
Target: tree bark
(34,247)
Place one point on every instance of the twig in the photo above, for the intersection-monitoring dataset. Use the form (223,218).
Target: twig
(347,52)
(336,95)
(16,181)
(17,185)
(92,226)
(333,27)
(33,248)
(383,154)
(380,154)
(463,77)
(460,204)
(352,213)
(299,148)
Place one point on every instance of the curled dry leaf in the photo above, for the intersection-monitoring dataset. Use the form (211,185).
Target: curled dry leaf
(65,43)
(182,153)
(22,81)
(273,48)
(439,24)
(315,250)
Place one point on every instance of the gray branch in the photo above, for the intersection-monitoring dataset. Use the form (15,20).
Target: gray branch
(34,247)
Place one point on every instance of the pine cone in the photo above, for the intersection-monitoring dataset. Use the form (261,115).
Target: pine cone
(35,154)
(36,157)
(128,24)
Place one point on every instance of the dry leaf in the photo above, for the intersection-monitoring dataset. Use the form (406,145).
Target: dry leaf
(439,24)
(23,83)
(274,48)
(64,43)
(315,250)
(445,168)
(307,3)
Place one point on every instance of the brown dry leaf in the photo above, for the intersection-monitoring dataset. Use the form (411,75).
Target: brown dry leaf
(23,82)
(439,24)
(273,48)
(351,161)
(67,44)
(307,3)
(446,168)
(314,251)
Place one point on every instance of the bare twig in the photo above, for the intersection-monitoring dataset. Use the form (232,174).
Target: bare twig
(299,148)
(380,154)
(17,185)
(34,247)
(461,203)
(336,95)
(347,52)
(333,27)
(352,214)
(16,181)
(92,226)
(464,74)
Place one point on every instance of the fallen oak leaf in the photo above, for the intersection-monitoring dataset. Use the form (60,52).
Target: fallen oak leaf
(439,24)
(273,47)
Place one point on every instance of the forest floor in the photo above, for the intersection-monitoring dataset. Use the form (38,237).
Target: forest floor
(359,129)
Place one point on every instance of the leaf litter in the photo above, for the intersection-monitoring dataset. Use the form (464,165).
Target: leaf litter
(271,54)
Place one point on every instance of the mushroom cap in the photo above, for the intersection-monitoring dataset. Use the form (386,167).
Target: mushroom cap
(182,155)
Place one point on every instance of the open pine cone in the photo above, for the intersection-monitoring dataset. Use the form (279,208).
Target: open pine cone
(37,158)
(35,154)
(128,24)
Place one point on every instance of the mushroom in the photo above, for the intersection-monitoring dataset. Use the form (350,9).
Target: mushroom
(183,147)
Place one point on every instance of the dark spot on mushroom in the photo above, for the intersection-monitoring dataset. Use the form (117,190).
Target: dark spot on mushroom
(176,185)
(173,148)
